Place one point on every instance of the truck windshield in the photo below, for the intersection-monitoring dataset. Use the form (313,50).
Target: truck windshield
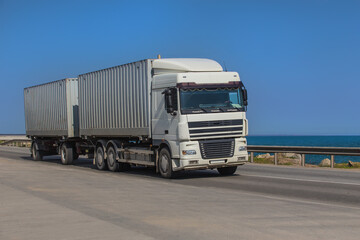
(211,100)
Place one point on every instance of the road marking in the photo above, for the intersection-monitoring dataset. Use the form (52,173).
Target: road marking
(299,179)
(299,201)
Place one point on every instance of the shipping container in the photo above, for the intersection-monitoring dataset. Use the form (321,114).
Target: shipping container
(116,101)
(51,109)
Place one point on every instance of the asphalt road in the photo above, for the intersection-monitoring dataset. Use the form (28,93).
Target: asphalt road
(46,200)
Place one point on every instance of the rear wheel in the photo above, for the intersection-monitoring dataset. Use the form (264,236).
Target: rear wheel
(100,160)
(226,171)
(36,154)
(67,154)
(112,163)
(165,164)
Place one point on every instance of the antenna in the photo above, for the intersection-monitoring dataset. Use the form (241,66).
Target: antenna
(225,66)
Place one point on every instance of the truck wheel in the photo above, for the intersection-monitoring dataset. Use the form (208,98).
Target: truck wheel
(113,165)
(76,155)
(100,161)
(165,164)
(226,171)
(36,154)
(67,155)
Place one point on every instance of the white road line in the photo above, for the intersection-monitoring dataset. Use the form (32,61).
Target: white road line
(299,201)
(299,179)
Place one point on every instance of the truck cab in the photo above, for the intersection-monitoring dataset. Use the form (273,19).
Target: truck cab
(198,116)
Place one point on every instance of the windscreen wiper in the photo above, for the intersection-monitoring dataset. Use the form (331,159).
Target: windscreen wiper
(203,109)
(222,109)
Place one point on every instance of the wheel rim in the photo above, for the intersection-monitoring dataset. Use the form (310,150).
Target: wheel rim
(99,157)
(164,163)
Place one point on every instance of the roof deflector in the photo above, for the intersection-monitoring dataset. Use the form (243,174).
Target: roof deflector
(175,65)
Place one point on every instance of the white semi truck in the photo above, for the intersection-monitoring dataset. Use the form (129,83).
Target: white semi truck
(173,114)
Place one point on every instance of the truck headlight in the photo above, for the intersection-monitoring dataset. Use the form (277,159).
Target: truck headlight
(242,148)
(188,152)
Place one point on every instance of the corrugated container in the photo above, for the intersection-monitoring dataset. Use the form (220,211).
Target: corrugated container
(51,109)
(116,101)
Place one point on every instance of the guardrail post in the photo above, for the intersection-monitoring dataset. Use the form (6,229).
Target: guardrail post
(276,158)
(251,157)
(303,160)
(332,161)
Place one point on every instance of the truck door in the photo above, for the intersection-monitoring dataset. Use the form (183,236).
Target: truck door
(165,118)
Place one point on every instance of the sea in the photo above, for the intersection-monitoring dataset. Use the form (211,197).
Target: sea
(313,141)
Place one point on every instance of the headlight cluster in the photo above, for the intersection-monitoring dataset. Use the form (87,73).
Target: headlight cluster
(188,152)
(242,148)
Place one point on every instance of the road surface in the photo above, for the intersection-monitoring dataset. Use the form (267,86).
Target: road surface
(46,200)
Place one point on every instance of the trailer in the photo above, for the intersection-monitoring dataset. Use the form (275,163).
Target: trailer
(172,114)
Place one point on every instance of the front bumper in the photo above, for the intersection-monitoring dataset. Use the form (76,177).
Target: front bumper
(193,162)
(209,165)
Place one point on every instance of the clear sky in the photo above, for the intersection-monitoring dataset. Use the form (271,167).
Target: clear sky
(300,60)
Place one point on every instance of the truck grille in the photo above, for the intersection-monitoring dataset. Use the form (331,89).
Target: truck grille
(219,128)
(217,148)
(215,123)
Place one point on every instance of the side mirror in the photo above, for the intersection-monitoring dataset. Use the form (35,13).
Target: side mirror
(171,100)
(244,91)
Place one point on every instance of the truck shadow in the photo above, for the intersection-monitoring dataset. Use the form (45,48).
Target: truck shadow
(81,162)
(134,171)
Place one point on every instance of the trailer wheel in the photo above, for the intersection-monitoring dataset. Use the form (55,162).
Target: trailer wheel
(165,164)
(112,163)
(36,154)
(100,160)
(67,155)
(226,171)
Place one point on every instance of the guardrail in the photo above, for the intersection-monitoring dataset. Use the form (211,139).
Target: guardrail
(332,151)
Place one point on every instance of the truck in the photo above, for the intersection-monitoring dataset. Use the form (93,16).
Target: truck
(172,114)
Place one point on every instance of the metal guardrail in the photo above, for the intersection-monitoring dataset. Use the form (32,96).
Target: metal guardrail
(332,151)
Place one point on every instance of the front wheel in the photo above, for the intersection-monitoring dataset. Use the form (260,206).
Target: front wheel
(226,171)
(165,164)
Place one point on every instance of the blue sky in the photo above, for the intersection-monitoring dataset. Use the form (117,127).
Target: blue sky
(298,59)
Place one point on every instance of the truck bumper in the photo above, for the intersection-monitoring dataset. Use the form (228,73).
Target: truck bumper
(194,166)
(195,161)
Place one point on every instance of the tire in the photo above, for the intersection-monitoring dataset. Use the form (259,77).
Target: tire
(112,163)
(67,154)
(35,153)
(76,155)
(100,160)
(227,171)
(165,164)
